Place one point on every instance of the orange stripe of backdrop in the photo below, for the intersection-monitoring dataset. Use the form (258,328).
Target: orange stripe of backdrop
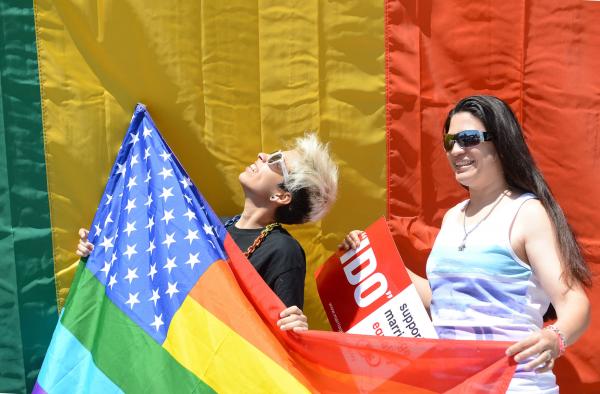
(543,58)
(223,81)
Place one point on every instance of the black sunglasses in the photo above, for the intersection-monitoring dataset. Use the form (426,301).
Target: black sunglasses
(466,139)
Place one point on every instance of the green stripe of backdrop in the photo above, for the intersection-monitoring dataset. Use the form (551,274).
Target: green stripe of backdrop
(28,310)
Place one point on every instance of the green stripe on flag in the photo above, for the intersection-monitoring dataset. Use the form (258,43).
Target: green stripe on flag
(28,311)
(120,348)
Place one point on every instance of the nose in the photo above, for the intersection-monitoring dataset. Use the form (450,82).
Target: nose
(456,149)
(262,156)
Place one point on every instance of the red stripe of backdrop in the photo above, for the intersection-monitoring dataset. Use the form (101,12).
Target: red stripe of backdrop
(541,57)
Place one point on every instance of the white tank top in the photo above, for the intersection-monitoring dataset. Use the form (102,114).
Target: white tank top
(485,292)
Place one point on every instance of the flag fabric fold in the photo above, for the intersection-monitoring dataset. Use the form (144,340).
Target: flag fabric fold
(166,302)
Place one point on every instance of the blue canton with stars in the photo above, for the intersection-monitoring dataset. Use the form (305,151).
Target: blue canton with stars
(154,235)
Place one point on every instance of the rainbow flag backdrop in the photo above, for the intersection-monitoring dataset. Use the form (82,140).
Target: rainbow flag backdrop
(225,80)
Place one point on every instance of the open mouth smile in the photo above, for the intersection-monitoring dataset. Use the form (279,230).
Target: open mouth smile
(463,163)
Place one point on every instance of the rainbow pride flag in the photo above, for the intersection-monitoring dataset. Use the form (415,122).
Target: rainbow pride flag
(166,302)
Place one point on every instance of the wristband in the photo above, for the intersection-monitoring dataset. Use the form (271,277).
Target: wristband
(562,343)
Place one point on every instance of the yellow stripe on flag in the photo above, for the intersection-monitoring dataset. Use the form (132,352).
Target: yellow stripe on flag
(221,358)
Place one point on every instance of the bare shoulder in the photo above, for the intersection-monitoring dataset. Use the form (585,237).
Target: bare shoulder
(453,212)
(533,223)
(533,213)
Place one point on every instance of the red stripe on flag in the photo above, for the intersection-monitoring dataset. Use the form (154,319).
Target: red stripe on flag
(328,361)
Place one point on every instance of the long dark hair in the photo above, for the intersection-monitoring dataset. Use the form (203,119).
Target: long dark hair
(522,174)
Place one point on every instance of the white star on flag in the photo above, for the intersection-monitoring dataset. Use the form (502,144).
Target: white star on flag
(148,177)
(108,219)
(155,296)
(151,247)
(122,169)
(193,260)
(166,193)
(131,183)
(165,156)
(133,299)
(147,132)
(130,251)
(107,243)
(147,153)
(168,216)
(150,223)
(157,322)
(106,268)
(130,228)
(172,289)
(170,239)
(152,272)
(170,264)
(185,182)
(207,229)
(130,205)
(190,214)
(165,173)
(149,201)
(112,281)
(135,138)
(191,235)
(131,274)
(134,160)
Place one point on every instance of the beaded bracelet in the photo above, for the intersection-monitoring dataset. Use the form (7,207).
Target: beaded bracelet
(562,343)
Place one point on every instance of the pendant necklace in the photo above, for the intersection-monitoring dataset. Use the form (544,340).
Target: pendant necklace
(462,245)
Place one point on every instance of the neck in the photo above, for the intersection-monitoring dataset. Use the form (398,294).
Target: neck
(485,196)
(255,217)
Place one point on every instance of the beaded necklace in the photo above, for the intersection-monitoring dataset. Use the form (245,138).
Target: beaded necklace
(258,241)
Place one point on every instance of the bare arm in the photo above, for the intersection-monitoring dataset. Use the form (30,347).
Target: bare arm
(536,233)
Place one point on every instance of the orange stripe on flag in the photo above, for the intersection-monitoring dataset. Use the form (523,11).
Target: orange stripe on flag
(218,292)
(325,361)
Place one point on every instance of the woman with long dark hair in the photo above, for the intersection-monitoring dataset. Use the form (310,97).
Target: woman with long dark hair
(506,254)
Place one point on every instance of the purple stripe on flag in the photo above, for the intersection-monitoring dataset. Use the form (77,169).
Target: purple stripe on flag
(37,389)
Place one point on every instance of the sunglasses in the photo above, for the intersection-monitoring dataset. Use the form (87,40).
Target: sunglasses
(466,139)
(277,159)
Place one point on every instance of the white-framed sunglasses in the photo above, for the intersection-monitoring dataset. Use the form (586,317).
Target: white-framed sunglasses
(277,159)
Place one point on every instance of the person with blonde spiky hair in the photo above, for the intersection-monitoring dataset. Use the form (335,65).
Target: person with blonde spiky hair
(285,187)
(312,182)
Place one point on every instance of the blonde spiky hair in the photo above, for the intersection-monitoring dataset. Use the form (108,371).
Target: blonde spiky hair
(315,172)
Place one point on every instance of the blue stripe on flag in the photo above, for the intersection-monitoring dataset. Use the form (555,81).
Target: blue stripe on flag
(69,368)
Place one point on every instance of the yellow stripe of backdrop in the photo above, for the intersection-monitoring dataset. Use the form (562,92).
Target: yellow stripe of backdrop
(223,81)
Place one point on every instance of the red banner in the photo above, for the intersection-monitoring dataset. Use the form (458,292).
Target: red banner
(368,291)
